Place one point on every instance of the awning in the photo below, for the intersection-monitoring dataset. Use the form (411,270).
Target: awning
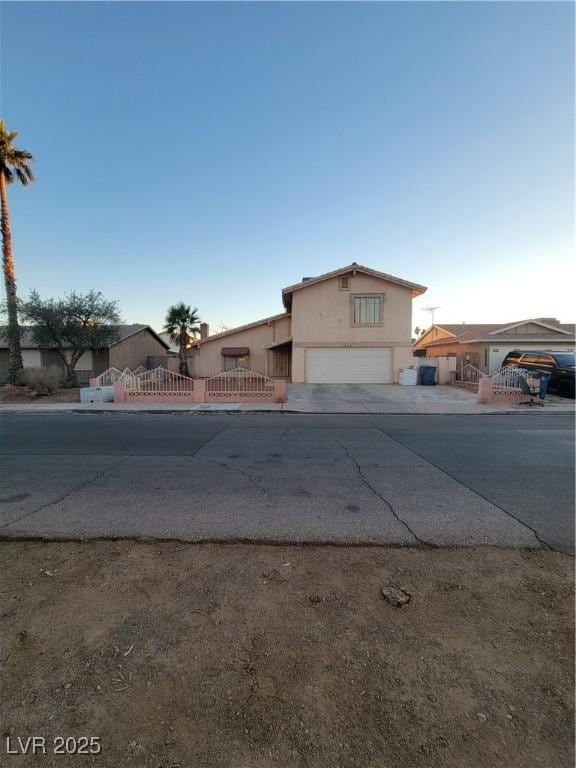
(235,351)
(279,343)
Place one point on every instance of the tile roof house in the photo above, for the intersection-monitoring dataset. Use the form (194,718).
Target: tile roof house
(135,344)
(351,325)
(485,345)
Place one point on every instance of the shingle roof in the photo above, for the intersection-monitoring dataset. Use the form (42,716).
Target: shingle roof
(306,282)
(469,332)
(27,340)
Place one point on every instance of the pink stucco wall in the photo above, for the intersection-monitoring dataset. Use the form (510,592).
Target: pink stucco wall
(208,358)
(321,317)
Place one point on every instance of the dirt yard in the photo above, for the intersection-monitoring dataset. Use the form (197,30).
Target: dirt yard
(18,395)
(278,657)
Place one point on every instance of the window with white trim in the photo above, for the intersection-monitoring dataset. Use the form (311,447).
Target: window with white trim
(367,310)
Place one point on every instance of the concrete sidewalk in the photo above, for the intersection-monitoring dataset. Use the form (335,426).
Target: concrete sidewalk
(324,398)
(423,409)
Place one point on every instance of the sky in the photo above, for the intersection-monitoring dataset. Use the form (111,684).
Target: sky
(214,153)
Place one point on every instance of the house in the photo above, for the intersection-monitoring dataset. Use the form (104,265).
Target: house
(352,325)
(486,345)
(134,345)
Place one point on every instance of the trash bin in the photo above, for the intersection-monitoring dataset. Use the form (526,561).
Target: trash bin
(544,379)
(428,374)
(408,376)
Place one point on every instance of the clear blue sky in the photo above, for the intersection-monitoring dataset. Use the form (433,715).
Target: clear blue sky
(215,153)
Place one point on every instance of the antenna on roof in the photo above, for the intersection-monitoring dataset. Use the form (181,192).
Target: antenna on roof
(431,310)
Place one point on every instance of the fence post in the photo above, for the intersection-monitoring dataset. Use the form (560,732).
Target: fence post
(119,392)
(485,390)
(199,390)
(279,390)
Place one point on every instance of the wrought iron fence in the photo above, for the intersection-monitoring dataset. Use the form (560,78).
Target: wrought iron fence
(160,381)
(468,376)
(240,382)
(112,375)
(107,378)
(508,376)
(506,383)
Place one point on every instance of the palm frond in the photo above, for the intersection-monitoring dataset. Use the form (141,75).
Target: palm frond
(14,163)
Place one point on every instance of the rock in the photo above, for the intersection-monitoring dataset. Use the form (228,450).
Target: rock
(395,596)
(481,716)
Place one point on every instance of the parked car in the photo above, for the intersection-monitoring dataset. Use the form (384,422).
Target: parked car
(560,365)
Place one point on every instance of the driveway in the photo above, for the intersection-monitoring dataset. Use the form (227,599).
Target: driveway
(393,398)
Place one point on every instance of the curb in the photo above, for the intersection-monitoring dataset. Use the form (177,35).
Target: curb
(166,412)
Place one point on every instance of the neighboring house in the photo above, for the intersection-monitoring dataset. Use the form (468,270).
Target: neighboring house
(486,345)
(135,344)
(352,325)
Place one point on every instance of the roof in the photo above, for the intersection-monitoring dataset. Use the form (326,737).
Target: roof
(27,339)
(466,333)
(416,289)
(239,328)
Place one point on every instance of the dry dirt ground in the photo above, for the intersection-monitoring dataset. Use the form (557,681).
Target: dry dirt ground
(246,656)
(19,395)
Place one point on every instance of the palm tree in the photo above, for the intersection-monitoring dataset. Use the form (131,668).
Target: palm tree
(13,166)
(182,323)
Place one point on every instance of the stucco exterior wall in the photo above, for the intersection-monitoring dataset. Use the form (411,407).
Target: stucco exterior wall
(321,314)
(434,334)
(322,317)
(208,358)
(134,350)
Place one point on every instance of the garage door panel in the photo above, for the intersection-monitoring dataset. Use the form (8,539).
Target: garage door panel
(349,365)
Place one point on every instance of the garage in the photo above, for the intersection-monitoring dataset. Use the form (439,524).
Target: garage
(349,365)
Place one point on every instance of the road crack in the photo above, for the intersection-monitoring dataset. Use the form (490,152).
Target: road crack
(242,472)
(545,544)
(382,498)
(78,488)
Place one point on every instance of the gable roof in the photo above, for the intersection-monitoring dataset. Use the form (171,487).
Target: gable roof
(27,338)
(416,289)
(240,328)
(466,333)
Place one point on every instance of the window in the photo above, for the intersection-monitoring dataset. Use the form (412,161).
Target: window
(242,361)
(367,310)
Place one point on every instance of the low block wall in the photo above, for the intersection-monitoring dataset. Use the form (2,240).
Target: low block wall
(488,392)
(200,394)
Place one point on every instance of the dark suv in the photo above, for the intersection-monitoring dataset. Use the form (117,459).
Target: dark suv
(560,366)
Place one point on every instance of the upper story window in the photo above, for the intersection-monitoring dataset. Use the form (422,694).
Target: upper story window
(367,310)
(344,283)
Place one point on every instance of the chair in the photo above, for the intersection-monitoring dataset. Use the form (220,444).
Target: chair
(530,392)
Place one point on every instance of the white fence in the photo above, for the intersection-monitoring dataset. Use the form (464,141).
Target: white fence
(240,381)
(112,375)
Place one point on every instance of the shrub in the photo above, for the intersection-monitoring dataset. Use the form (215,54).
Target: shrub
(41,380)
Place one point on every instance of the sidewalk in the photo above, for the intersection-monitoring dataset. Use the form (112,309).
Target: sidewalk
(312,407)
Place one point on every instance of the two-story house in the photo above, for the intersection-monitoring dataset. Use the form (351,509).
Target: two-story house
(352,325)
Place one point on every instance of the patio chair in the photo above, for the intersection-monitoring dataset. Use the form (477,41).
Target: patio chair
(530,392)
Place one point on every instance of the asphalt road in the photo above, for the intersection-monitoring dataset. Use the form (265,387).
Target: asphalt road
(437,480)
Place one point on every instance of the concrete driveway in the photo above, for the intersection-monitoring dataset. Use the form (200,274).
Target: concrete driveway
(393,398)
(381,398)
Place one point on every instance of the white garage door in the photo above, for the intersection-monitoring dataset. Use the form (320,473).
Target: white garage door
(349,366)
